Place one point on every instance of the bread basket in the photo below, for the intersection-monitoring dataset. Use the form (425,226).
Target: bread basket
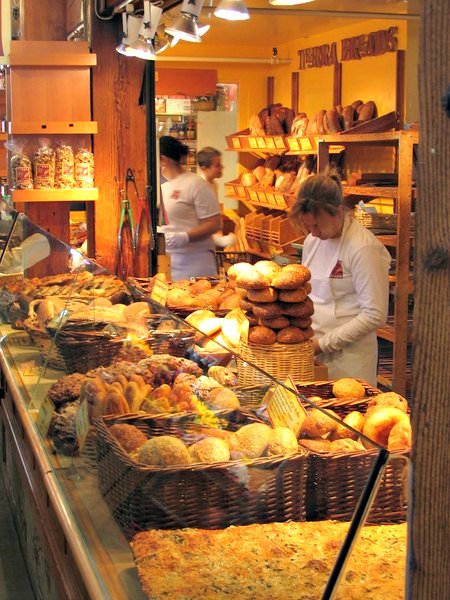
(208,496)
(336,480)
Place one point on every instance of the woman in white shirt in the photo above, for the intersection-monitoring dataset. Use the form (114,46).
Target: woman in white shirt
(192,212)
(349,278)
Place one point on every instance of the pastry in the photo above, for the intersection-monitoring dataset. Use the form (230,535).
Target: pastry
(222,398)
(268,268)
(276,323)
(282,441)
(209,450)
(291,278)
(164,451)
(252,280)
(400,436)
(298,295)
(239,269)
(302,309)
(253,439)
(387,399)
(299,322)
(290,335)
(230,302)
(262,335)
(379,424)
(318,423)
(67,389)
(348,389)
(268,294)
(354,419)
(223,375)
(128,436)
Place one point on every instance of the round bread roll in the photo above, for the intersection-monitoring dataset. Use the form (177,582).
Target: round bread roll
(356,420)
(270,310)
(239,269)
(290,335)
(379,424)
(164,451)
(268,268)
(177,297)
(348,389)
(299,322)
(136,308)
(253,439)
(318,423)
(209,299)
(128,436)
(182,284)
(246,305)
(316,445)
(222,398)
(230,302)
(308,333)
(400,436)
(282,441)
(298,295)
(277,323)
(388,399)
(299,269)
(200,286)
(303,309)
(198,317)
(252,281)
(266,295)
(291,279)
(209,450)
(346,445)
(262,335)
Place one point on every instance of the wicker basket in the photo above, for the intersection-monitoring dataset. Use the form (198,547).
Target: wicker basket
(277,360)
(45,344)
(209,496)
(176,342)
(336,481)
(226,259)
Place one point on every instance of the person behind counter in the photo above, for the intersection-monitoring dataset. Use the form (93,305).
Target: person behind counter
(192,212)
(349,278)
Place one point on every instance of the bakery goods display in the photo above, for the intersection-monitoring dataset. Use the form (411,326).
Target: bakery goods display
(263,561)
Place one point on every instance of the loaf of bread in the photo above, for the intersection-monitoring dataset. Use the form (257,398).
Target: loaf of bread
(348,116)
(331,122)
(367,111)
(262,335)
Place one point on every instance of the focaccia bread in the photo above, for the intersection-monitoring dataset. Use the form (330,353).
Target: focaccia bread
(264,562)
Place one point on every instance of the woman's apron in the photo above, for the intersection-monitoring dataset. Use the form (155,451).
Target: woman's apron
(358,359)
(197,264)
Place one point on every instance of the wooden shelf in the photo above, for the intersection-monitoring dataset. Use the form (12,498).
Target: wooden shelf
(52,127)
(52,60)
(387,382)
(388,137)
(55,195)
(387,332)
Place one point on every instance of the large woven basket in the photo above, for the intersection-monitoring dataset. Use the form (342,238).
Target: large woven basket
(278,360)
(176,342)
(226,259)
(209,496)
(336,481)
(45,344)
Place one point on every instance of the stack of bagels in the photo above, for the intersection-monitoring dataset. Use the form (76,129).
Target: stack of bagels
(275,300)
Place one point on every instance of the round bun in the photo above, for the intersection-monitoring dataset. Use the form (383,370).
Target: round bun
(178,297)
(262,335)
(291,278)
(254,439)
(268,268)
(348,389)
(271,310)
(302,309)
(128,436)
(164,451)
(230,302)
(379,424)
(298,295)
(354,419)
(388,399)
(200,286)
(246,305)
(277,323)
(252,280)
(239,269)
(346,445)
(317,423)
(265,295)
(316,445)
(290,335)
(282,441)
(400,436)
(222,398)
(209,450)
(302,323)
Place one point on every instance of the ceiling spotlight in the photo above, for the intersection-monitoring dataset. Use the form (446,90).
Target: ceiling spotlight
(161,41)
(232,10)
(288,2)
(130,33)
(143,46)
(186,26)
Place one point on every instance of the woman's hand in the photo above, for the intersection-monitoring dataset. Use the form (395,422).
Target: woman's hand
(317,349)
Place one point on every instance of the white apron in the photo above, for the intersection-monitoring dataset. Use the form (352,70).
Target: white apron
(358,359)
(194,264)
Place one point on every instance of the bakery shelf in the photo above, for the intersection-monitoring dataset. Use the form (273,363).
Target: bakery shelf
(242,140)
(386,137)
(52,127)
(55,195)
(3,137)
(235,189)
(51,59)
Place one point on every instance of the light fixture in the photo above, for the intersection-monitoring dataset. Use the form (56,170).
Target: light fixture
(186,26)
(143,46)
(288,2)
(121,6)
(130,33)
(232,10)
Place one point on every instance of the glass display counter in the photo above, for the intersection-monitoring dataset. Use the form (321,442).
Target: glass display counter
(84,495)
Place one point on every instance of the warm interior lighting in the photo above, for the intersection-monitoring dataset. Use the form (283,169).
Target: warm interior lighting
(232,10)
(143,46)
(186,26)
(288,2)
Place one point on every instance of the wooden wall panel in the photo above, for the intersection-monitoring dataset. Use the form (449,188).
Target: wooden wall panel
(43,19)
(120,142)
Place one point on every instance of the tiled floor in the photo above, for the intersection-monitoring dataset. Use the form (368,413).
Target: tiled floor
(14,581)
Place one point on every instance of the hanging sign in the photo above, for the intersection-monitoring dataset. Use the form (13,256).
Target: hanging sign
(354,48)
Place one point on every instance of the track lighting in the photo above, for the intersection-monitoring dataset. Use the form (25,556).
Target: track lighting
(232,10)
(186,26)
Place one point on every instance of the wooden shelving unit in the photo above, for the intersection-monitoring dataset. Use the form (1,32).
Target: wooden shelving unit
(403,142)
(55,195)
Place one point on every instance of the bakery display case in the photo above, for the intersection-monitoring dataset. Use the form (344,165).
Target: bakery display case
(149,470)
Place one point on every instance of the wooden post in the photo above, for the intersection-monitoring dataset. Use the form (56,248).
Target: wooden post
(337,84)
(270,90)
(400,89)
(429,534)
(295,88)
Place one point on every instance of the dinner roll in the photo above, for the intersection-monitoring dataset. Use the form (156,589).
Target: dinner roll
(317,423)
(348,389)
(262,335)
(379,424)
(265,295)
(268,268)
(290,335)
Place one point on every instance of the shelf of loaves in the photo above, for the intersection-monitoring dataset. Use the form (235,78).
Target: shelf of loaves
(270,234)
(269,198)
(242,140)
(55,195)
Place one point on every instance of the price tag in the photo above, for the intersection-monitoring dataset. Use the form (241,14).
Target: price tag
(242,192)
(293,144)
(252,142)
(82,424)
(236,143)
(284,407)
(279,142)
(159,292)
(270,142)
(243,324)
(44,416)
(253,195)
(261,142)
(305,144)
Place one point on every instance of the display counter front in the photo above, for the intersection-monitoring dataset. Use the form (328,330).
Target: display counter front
(158,473)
